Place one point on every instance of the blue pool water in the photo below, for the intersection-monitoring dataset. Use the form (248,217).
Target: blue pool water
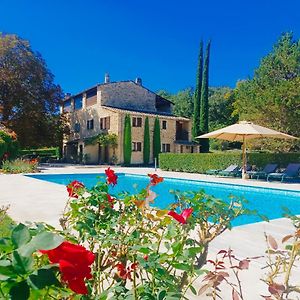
(266,201)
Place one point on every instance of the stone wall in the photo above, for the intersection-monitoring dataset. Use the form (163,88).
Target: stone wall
(91,113)
(167,136)
(127,95)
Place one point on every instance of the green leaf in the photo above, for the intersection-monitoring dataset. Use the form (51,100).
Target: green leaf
(181,266)
(47,240)
(194,250)
(6,270)
(141,249)
(176,246)
(193,290)
(20,291)
(161,295)
(103,295)
(43,278)
(5,245)
(173,296)
(22,264)
(20,235)
(42,241)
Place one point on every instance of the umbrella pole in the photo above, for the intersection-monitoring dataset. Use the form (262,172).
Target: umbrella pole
(244,158)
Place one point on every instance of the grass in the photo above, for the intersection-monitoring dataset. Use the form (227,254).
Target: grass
(5,223)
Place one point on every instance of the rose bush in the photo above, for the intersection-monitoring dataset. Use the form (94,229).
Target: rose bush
(116,246)
(142,252)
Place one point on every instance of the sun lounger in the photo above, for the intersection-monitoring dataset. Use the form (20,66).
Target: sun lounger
(269,168)
(232,170)
(216,171)
(240,171)
(291,172)
(213,171)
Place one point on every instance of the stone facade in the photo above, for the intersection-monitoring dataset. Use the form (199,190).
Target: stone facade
(102,109)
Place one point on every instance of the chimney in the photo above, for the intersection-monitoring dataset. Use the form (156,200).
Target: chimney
(67,95)
(106,78)
(138,81)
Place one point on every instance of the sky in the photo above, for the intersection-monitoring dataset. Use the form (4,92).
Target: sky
(156,40)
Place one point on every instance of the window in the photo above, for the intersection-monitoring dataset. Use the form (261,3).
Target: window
(78,102)
(164,125)
(166,148)
(77,127)
(136,122)
(90,124)
(136,146)
(105,123)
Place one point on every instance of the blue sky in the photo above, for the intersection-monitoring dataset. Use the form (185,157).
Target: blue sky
(155,40)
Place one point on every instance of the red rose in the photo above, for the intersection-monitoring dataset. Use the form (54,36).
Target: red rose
(110,200)
(155,179)
(181,218)
(111,176)
(123,272)
(74,264)
(74,188)
(134,266)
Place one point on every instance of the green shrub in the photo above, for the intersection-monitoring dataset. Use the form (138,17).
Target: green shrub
(156,139)
(127,146)
(201,162)
(9,145)
(19,166)
(6,222)
(146,149)
(42,152)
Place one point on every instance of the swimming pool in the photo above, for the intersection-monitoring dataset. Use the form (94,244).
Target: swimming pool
(266,201)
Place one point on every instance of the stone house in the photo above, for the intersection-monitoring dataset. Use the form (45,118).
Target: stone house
(102,109)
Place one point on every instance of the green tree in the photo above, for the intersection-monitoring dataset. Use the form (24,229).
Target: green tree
(156,139)
(221,108)
(272,97)
(146,149)
(204,107)
(197,96)
(220,113)
(184,103)
(29,98)
(127,144)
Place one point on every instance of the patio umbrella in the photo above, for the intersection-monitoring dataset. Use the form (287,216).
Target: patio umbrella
(242,132)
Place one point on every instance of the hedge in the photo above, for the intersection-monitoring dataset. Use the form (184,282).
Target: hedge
(42,152)
(201,162)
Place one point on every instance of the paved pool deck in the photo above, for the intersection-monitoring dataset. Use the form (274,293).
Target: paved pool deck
(35,200)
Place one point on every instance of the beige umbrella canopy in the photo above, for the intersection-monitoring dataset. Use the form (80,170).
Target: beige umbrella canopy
(242,132)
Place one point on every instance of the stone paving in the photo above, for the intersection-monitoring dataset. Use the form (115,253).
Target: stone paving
(35,200)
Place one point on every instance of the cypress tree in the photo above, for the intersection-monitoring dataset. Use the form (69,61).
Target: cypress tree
(146,149)
(204,143)
(197,95)
(156,139)
(127,147)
